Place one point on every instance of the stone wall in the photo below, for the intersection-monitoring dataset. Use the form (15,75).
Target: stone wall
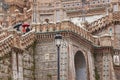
(5,67)
(28,64)
(104,63)
(45,61)
(46,56)
(22,64)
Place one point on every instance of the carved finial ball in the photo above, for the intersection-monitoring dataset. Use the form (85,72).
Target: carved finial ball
(16,10)
(110,10)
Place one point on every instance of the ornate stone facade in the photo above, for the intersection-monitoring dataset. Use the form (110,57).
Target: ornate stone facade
(92,51)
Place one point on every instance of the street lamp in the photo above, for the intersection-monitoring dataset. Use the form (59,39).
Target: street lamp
(58,39)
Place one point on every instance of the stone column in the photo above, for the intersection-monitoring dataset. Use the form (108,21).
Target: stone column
(14,66)
(71,71)
(91,66)
(64,60)
(65,15)
(20,67)
(107,70)
(107,67)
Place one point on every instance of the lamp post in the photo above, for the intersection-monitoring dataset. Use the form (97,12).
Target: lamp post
(58,39)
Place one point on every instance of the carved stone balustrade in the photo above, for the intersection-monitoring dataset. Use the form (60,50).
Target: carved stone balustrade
(20,17)
(5,45)
(22,41)
(65,26)
(3,35)
(18,3)
(96,25)
(27,39)
(100,23)
(116,16)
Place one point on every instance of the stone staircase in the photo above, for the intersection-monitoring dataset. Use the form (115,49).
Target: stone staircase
(16,3)
(19,3)
(7,42)
(98,24)
(103,22)
(21,17)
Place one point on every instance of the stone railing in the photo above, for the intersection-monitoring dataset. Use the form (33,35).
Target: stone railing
(65,26)
(18,3)
(5,45)
(102,22)
(27,39)
(3,35)
(19,40)
(22,17)
(116,16)
(96,25)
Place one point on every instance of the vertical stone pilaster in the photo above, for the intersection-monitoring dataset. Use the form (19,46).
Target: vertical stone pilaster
(14,66)
(71,71)
(35,16)
(17,66)
(55,16)
(106,67)
(64,61)
(91,66)
(20,67)
(107,70)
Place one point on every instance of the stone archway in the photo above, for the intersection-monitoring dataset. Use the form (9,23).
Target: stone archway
(80,66)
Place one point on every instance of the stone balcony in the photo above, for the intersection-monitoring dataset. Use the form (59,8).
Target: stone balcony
(64,26)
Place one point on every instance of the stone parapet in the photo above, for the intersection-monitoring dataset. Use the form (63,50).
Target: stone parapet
(65,26)
(98,23)
(12,39)
(23,41)
(5,45)
(19,17)
(104,21)
(116,16)
(27,39)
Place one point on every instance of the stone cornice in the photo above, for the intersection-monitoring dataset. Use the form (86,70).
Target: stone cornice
(103,50)
(65,26)
(49,36)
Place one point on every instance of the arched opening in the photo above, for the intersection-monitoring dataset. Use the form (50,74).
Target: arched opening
(80,66)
